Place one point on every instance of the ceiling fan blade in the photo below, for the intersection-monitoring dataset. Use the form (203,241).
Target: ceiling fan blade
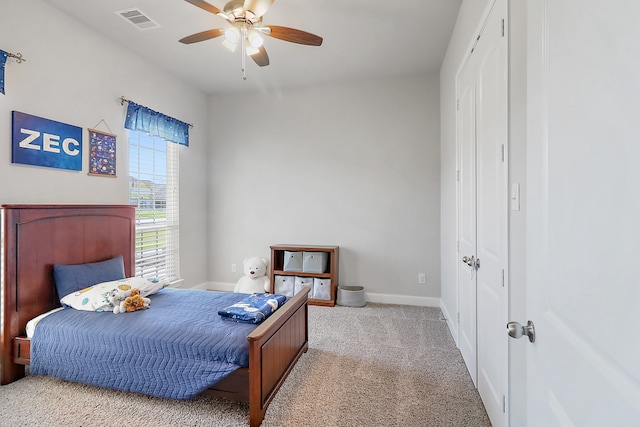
(257,7)
(202,36)
(294,36)
(261,58)
(206,6)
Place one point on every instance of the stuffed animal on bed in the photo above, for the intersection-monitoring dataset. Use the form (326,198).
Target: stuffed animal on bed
(115,296)
(127,301)
(133,303)
(255,278)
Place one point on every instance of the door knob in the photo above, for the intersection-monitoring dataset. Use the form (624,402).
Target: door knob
(516,330)
(471,262)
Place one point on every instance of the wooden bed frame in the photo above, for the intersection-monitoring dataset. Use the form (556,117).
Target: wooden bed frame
(38,236)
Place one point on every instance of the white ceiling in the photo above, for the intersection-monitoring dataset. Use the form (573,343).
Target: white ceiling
(362,38)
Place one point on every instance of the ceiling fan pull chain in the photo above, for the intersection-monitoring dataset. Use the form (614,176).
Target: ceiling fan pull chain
(244,73)
(244,52)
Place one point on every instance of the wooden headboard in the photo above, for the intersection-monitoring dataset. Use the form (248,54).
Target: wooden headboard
(38,236)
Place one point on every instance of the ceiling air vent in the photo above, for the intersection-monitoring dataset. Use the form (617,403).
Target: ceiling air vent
(138,19)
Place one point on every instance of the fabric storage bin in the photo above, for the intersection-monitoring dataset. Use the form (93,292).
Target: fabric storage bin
(351,296)
(283,285)
(292,261)
(321,288)
(314,262)
(300,282)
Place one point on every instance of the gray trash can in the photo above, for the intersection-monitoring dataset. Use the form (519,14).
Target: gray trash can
(351,296)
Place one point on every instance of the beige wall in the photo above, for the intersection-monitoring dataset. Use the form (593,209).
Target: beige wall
(355,165)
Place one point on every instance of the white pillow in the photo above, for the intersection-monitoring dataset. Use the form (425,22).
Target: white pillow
(147,286)
(94,298)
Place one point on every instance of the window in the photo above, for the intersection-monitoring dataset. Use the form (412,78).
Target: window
(153,187)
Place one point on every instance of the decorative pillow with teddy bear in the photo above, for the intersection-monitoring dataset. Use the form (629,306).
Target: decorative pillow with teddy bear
(106,296)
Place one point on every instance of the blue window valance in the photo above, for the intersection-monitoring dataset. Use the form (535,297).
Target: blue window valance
(3,61)
(156,124)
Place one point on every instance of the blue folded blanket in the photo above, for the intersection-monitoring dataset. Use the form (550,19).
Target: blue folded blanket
(253,308)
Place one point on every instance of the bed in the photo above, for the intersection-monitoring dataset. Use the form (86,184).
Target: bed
(38,236)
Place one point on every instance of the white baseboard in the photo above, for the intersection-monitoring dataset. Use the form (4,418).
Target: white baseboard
(215,286)
(451,323)
(402,299)
(371,297)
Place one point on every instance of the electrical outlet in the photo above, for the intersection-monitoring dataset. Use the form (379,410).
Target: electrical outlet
(233,268)
(422,278)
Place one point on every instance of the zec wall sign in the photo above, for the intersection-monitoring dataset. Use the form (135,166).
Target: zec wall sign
(43,142)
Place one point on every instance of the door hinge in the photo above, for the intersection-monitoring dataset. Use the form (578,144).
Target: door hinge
(458,175)
(503,278)
(504,404)
(503,28)
(457,105)
(458,316)
(502,153)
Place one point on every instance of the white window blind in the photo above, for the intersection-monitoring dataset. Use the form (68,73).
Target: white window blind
(154,188)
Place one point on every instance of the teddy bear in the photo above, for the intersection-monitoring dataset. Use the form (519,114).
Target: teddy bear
(127,301)
(134,303)
(255,278)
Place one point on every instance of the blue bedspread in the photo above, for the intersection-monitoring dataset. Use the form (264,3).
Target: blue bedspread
(176,349)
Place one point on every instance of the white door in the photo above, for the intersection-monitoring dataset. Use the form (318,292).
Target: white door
(583,198)
(482,145)
(466,130)
(492,211)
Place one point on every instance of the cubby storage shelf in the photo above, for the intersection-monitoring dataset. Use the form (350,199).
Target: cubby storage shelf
(276,268)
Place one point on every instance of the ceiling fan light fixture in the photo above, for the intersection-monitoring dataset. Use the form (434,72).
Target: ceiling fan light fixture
(232,34)
(231,46)
(251,50)
(255,39)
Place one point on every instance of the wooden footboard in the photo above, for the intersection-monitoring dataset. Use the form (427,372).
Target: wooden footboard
(274,348)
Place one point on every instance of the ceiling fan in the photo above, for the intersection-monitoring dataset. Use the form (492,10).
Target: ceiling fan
(246,30)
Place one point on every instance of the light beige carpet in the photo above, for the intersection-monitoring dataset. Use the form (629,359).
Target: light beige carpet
(380,365)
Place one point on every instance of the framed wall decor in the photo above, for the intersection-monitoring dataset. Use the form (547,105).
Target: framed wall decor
(102,153)
(38,141)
